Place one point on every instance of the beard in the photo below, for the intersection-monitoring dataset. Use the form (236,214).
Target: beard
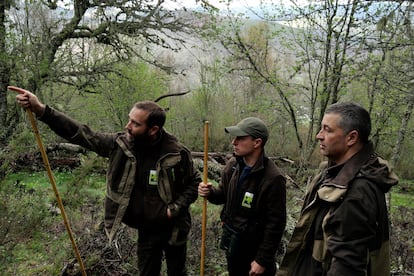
(140,140)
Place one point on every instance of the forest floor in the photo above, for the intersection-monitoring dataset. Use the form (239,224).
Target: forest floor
(34,241)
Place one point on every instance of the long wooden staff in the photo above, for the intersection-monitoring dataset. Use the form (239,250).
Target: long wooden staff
(51,178)
(204,218)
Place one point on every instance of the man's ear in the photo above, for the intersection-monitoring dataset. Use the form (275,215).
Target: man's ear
(352,137)
(258,142)
(153,130)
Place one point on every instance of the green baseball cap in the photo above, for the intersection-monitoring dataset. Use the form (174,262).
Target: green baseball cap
(249,126)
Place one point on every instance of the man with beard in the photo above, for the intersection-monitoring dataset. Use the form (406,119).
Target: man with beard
(253,191)
(151,180)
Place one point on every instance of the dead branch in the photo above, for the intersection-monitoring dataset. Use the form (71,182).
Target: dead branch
(171,95)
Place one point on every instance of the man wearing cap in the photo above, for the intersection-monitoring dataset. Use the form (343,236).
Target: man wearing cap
(253,192)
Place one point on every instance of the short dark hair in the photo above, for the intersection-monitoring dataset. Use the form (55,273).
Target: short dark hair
(156,114)
(353,117)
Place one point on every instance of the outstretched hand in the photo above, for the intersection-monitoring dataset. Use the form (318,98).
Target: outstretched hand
(28,100)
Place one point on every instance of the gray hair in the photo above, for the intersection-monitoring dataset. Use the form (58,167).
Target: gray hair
(353,117)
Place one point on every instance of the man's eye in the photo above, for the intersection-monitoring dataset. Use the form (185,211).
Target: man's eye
(134,124)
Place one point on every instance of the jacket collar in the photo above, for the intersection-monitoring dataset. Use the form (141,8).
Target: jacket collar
(259,165)
(341,175)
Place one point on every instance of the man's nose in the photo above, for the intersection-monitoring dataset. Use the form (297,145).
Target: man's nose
(319,136)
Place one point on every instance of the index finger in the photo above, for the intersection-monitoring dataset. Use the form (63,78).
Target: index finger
(17,89)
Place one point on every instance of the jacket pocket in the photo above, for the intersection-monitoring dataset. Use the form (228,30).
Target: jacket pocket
(120,180)
(180,230)
(155,211)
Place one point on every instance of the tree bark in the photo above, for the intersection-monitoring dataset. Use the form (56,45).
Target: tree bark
(4,73)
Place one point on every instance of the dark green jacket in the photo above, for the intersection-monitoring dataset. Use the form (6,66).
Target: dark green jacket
(343,228)
(264,220)
(177,194)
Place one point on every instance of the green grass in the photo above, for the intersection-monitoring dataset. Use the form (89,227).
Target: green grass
(402,195)
(38,243)
(40,179)
(402,200)
(33,257)
(33,241)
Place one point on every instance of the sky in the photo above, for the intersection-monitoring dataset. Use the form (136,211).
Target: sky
(221,4)
(244,3)
(236,6)
(241,3)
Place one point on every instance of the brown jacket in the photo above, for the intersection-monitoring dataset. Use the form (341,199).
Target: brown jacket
(264,220)
(343,228)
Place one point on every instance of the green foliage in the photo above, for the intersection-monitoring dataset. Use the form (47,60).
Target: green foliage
(405,165)
(39,243)
(402,194)
(23,225)
(292,83)
(135,81)
(32,235)
(211,101)
(107,108)
(399,199)
(85,184)
(22,141)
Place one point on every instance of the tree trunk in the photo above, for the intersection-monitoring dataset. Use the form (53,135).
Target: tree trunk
(4,75)
(396,156)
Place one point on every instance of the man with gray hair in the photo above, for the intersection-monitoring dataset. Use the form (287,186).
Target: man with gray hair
(253,192)
(343,228)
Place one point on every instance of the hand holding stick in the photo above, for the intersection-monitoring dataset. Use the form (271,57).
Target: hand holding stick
(204,218)
(37,107)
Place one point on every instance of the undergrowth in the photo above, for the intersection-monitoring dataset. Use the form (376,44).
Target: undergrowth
(34,241)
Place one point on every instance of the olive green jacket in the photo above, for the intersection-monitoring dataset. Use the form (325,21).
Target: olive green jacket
(343,228)
(177,194)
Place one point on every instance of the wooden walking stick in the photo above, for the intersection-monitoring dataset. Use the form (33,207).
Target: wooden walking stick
(51,178)
(204,218)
